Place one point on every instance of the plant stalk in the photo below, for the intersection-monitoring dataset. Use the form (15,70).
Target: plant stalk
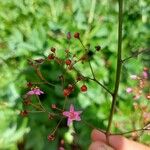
(118,71)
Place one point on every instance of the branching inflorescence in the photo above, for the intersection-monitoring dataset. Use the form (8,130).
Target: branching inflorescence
(69,63)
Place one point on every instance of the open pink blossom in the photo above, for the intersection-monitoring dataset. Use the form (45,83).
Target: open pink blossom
(72,115)
(35,91)
(129,90)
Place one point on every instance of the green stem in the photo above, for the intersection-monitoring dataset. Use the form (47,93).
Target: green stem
(55,129)
(128,132)
(105,88)
(119,65)
(39,101)
(95,80)
(136,53)
(89,60)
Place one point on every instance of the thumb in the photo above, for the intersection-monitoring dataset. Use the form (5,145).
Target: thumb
(117,141)
(97,145)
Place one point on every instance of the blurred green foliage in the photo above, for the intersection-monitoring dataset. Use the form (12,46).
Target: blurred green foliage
(28,28)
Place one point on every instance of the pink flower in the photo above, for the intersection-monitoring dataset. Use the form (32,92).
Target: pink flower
(72,115)
(129,90)
(35,91)
(145,74)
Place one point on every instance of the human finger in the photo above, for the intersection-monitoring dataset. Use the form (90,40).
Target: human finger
(97,145)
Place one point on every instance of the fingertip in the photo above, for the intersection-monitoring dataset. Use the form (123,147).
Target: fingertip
(97,135)
(99,146)
(117,141)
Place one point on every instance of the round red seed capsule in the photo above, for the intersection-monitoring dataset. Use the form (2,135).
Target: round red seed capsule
(51,137)
(77,35)
(66,92)
(98,48)
(70,87)
(53,49)
(83,88)
(79,78)
(68,62)
(51,56)
(24,113)
(53,106)
(29,84)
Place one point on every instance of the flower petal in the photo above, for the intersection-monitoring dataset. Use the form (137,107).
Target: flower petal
(30,93)
(145,74)
(66,113)
(77,118)
(38,92)
(41,92)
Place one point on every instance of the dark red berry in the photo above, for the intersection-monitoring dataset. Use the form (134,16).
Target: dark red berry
(83,88)
(29,84)
(66,92)
(53,106)
(53,49)
(51,56)
(77,35)
(24,113)
(70,87)
(68,62)
(51,137)
(79,78)
(98,48)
